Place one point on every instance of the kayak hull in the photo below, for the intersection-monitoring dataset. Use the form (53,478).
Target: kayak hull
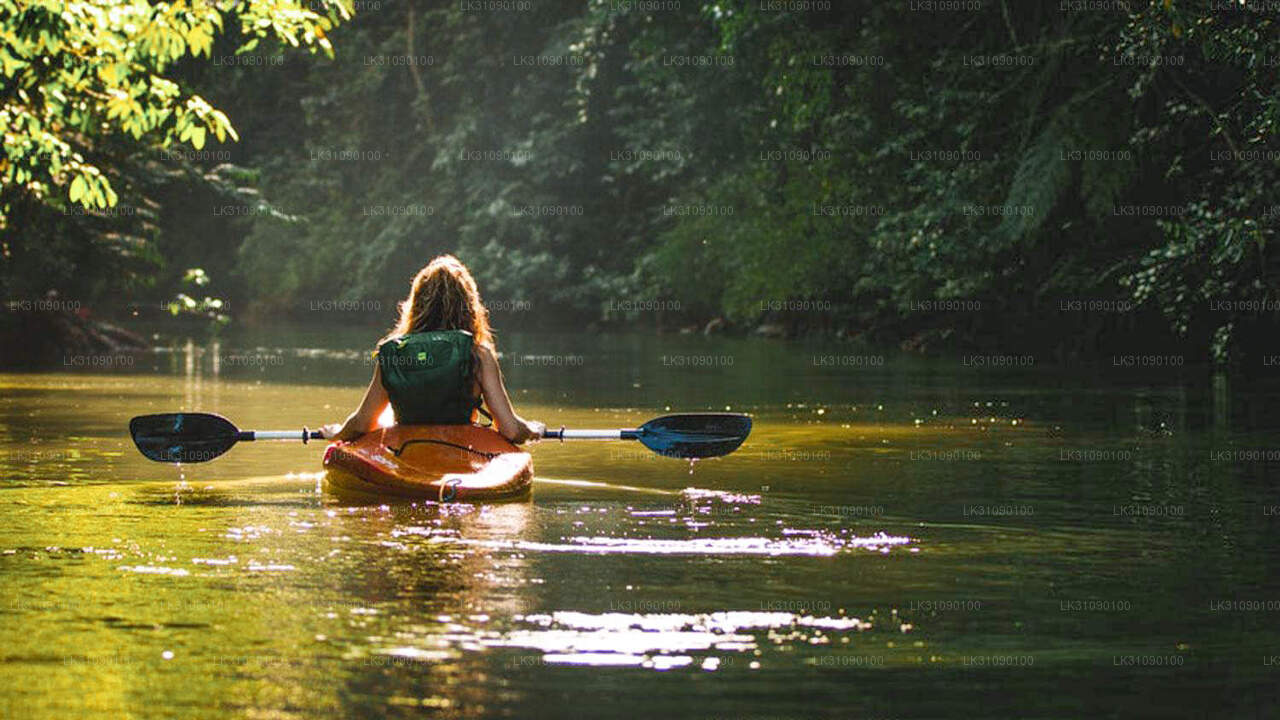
(445,463)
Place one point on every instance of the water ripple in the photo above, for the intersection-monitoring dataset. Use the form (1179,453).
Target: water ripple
(817,545)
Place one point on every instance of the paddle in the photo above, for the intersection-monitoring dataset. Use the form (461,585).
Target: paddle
(199,437)
(691,435)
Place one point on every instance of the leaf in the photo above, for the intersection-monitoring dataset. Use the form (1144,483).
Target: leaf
(1037,184)
(77,188)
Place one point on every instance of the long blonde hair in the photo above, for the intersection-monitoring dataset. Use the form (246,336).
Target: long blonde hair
(444,296)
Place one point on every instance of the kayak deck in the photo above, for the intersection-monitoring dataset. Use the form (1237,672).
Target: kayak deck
(445,463)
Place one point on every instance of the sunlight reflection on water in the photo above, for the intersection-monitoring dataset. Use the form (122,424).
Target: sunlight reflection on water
(880,542)
(658,641)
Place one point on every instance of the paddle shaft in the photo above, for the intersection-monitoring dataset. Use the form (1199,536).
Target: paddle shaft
(303,435)
(563,434)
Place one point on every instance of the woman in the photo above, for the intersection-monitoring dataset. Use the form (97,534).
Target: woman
(438,362)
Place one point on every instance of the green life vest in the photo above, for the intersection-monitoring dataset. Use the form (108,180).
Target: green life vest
(429,377)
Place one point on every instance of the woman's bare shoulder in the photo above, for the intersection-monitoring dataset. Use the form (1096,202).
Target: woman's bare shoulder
(486,354)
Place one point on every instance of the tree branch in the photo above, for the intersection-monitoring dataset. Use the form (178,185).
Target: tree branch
(413,65)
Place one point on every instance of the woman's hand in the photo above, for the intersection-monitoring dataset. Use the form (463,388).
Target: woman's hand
(331,430)
(535,429)
(524,431)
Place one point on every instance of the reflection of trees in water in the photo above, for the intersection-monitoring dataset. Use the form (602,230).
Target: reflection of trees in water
(436,603)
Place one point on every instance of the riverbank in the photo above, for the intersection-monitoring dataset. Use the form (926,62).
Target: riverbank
(48,332)
(1068,335)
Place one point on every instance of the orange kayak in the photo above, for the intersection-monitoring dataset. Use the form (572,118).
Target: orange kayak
(445,463)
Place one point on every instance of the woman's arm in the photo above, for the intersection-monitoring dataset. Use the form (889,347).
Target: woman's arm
(365,418)
(512,426)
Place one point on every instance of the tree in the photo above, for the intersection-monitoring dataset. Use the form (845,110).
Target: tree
(89,96)
(90,93)
(76,72)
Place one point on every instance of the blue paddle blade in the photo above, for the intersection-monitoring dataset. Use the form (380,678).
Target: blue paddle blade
(695,435)
(183,437)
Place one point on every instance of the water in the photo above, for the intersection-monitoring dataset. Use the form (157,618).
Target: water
(917,538)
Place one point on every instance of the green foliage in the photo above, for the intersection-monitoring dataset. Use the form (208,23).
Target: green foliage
(726,155)
(207,307)
(1112,112)
(76,71)
(1214,130)
(92,93)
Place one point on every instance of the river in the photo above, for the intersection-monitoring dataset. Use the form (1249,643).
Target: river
(899,537)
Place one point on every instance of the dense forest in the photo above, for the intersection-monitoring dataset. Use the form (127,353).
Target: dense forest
(1072,176)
